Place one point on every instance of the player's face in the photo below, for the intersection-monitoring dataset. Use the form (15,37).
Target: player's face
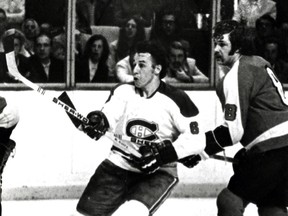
(144,70)
(222,51)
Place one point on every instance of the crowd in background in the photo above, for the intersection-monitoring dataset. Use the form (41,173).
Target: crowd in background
(40,45)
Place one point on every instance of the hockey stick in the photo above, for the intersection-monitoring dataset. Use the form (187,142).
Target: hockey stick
(120,142)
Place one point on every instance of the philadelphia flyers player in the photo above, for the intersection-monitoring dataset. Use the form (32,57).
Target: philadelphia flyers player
(256,115)
(150,110)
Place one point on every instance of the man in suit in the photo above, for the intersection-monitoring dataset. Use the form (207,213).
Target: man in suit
(43,67)
(182,68)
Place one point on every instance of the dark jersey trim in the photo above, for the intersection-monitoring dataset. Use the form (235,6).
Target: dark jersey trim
(186,106)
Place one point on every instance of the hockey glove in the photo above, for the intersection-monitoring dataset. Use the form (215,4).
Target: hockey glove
(154,155)
(97,125)
(216,141)
(190,161)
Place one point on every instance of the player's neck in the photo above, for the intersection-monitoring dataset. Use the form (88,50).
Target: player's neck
(150,89)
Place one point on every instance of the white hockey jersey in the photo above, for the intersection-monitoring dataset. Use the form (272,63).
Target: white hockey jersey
(168,114)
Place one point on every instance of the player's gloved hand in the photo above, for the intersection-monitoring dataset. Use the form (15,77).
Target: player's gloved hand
(190,161)
(97,125)
(154,155)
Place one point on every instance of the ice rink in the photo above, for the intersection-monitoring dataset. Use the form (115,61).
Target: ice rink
(172,206)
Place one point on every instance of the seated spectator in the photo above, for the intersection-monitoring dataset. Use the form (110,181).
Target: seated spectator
(249,11)
(21,60)
(275,53)
(92,67)
(31,30)
(94,12)
(167,29)
(129,35)
(44,68)
(181,68)
(59,44)
(123,9)
(265,27)
(124,69)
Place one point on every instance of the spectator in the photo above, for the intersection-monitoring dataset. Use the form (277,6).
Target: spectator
(59,44)
(274,53)
(124,9)
(31,30)
(21,60)
(167,29)
(44,68)
(265,27)
(181,68)
(95,12)
(93,67)
(249,11)
(129,35)
(124,69)
(3,26)
(47,11)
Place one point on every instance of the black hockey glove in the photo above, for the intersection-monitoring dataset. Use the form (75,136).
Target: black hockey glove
(97,125)
(190,161)
(216,141)
(154,155)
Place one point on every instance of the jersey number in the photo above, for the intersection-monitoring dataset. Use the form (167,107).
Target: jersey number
(278,86)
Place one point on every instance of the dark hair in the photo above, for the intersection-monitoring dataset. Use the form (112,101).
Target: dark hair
(157,32)
(123,48)
(106,51)
(17,34)
(241,37)
(43,35)
(180,46)
(266,17)
(157,52)
(3,12)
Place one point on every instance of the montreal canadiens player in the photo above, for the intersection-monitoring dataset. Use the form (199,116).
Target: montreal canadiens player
(150,110)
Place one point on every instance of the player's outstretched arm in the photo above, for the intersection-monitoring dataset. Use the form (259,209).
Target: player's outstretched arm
(97,125)
(216,141)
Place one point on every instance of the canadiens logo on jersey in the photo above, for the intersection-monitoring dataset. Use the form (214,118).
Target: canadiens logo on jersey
(140,128)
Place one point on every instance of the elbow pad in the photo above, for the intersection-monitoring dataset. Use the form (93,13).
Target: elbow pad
(216,140)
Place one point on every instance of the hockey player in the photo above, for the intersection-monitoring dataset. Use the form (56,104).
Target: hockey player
(8,119)
(256,115)
(163,118)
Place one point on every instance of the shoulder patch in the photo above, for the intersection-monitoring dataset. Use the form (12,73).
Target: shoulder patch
(185,104)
